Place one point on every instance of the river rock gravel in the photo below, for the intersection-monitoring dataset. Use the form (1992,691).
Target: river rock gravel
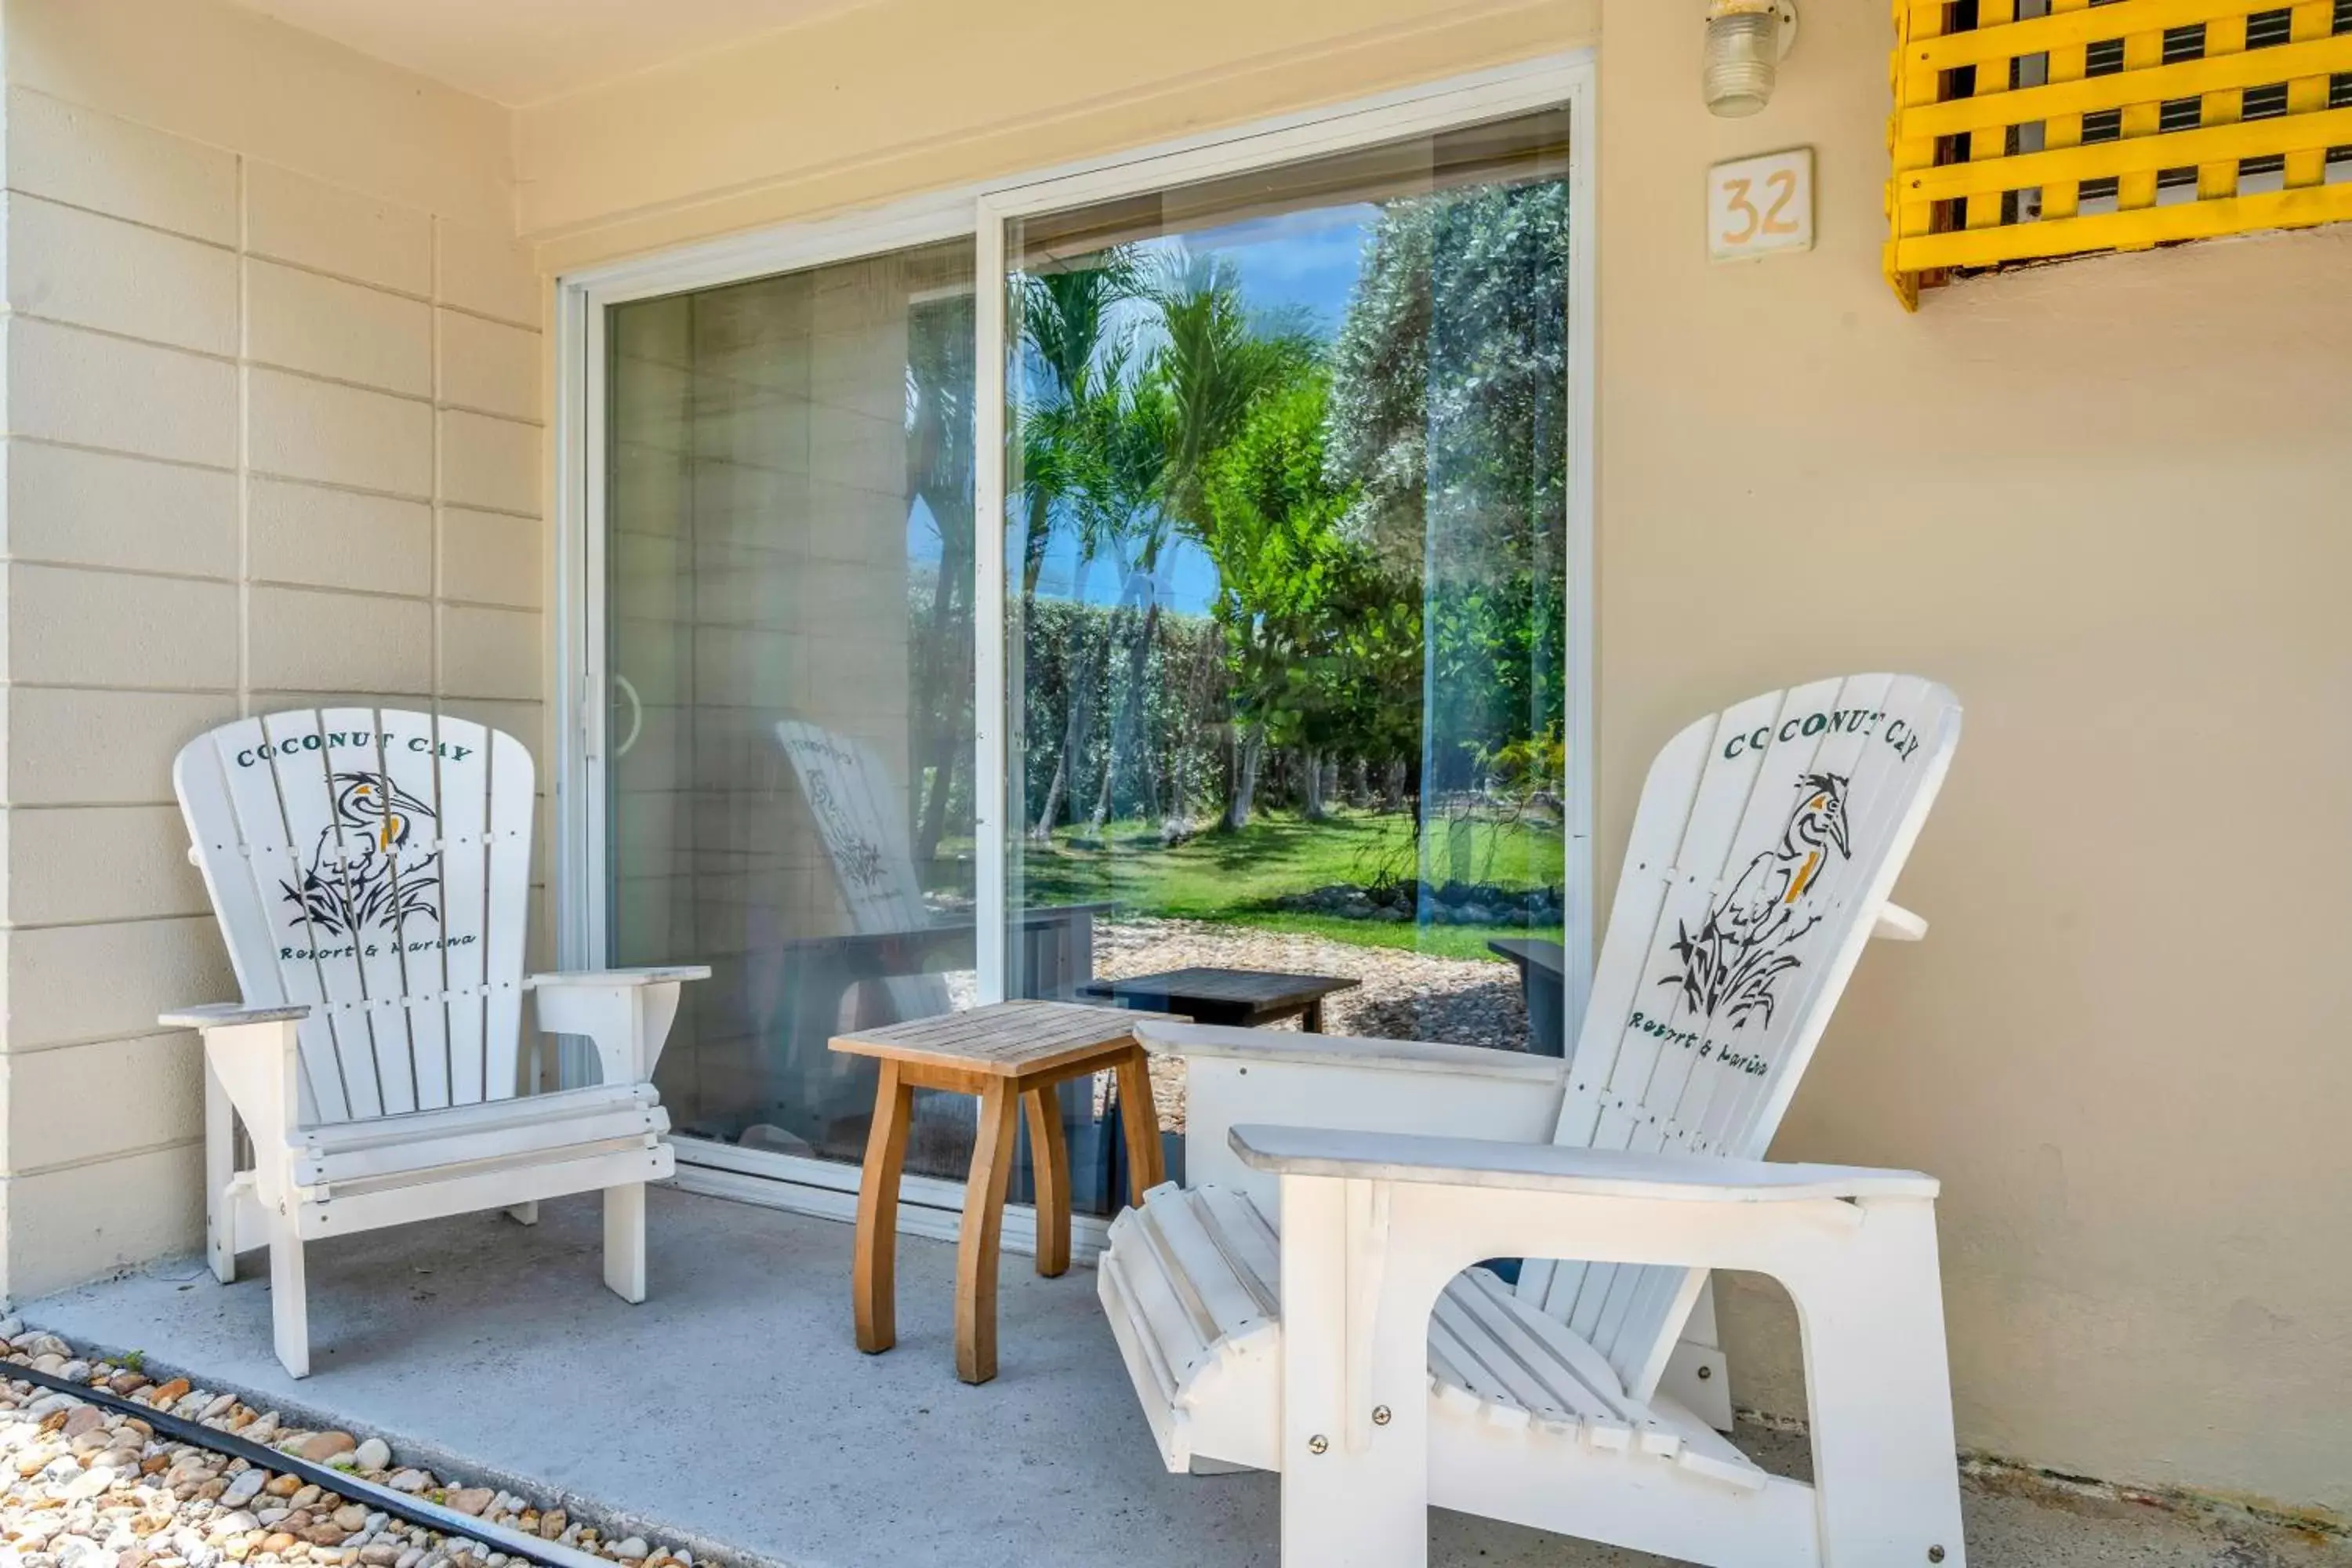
(85,1486)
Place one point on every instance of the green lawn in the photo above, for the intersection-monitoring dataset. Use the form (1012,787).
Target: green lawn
(1239,878)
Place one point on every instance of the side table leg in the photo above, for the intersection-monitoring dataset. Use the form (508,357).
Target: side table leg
(1049,1161)
(983,1227)
(1140,1120)
(873,1283)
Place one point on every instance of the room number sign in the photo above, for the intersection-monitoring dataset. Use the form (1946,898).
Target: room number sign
(1755,206)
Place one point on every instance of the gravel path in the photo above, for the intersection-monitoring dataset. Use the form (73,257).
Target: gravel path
(90,1486)
(1404,996)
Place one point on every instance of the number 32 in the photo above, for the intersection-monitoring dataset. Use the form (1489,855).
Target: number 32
(1784,185)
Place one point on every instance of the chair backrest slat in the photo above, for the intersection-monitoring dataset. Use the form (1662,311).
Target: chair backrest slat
(466,882)
(1768,838)
(424,978)
(374,864)
(507,908)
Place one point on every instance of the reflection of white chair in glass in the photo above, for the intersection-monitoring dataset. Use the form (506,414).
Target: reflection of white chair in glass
(861,818)
(1310,1307)
(371,871)
(885,969)
(863,826)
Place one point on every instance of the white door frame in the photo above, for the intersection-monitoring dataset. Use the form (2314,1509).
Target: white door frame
(980,211)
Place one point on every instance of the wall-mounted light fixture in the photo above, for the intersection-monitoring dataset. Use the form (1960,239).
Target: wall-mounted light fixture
(1746,41)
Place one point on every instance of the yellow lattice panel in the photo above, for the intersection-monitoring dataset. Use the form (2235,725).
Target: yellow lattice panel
(2028,129)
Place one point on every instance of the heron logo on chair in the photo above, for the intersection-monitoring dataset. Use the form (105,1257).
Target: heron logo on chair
(371,867)
(1733,964)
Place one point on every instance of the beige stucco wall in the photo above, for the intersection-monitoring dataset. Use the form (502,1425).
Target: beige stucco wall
(272,376)
(880,101)
(2100,500)
(2106,502)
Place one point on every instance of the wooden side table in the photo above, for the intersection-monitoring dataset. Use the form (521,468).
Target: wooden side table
(1010,1054)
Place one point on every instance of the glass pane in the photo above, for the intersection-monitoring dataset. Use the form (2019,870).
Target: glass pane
(790,643)
(1285,578)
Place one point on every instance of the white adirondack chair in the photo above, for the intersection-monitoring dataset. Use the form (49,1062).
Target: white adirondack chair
(370,870)
(1311,1307)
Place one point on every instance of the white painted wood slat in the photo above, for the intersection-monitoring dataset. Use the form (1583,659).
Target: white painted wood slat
(461,761)
(404,743)
(511,788)
(441,1150)
(596,1099)
(1226,1300)
(1242,1233)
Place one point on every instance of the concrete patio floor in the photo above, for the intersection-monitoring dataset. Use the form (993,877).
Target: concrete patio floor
(731,1408)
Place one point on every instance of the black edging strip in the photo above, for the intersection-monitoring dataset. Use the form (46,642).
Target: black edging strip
(403,1506)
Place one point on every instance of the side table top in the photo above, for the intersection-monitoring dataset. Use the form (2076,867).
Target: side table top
(1544,954)
(1004,1038)
(1250,988)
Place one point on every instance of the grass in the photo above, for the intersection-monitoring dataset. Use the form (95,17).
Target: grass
(1241,878)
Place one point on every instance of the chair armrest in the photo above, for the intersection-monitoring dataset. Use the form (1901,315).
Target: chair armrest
(229,1015)
(1896,923)
(1551,1168)
(625,1013)
(1167,1038)
(657,975)
(253,1053)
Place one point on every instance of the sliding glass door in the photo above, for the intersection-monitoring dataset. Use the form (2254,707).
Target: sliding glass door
(788,606)
(1157,586)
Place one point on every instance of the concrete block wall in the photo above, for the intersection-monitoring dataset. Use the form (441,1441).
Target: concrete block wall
(272,441)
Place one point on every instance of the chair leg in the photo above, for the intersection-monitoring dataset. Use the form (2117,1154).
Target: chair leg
(1355,1485)
(624,1241)
(289,1314)
(524,1214)
(1879,1389)
(220,1170)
